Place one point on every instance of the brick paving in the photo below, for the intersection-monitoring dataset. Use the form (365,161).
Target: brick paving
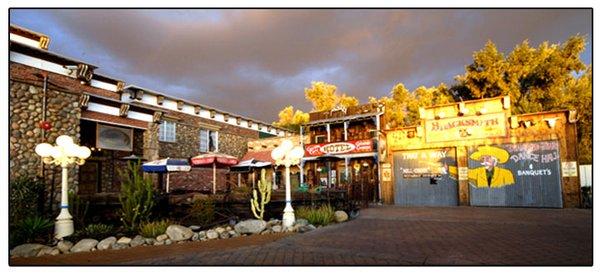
(422,236)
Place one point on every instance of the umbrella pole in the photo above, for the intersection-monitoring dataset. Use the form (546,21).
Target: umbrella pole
(167,182)
(214,177)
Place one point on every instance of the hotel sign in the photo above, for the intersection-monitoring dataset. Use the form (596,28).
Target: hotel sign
(469,127)
(339,147)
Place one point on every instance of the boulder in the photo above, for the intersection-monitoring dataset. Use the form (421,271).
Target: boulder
(84,245)
(251,226)
(306,228)
(106,243)
(118,246)
(224,235)
(64,246)
(266,231)
(179,233)
(276,228)
(48,251)
(233,234)
(137,241)
(202,235)
(124,240)
(159,242)
(220,230)
(195,228)
(168,241)
(28,250)
(150,241)
(162,238)
(273,222)
(212,234)
(301,222)
(340,216)
(228,228)
(195,237)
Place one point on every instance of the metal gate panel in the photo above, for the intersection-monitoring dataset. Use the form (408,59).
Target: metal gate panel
(535,168)
(422,179)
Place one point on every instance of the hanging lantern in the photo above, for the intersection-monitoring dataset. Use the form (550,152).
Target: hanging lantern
(45,125)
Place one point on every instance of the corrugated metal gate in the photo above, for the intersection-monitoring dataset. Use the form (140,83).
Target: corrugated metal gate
(535,168)
(422,179)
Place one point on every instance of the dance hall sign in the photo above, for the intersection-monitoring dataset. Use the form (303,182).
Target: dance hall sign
(339,148)
(469,127)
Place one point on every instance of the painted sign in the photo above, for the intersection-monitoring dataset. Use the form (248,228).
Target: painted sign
(114,138)
(467,127)
(386,172)
(523,174)
(569,169)
(463,173)
(422,178)
(339,147)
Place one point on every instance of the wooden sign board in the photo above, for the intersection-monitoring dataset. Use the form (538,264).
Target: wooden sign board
(467,127)
(569,169)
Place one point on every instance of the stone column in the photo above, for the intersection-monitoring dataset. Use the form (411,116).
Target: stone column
(151,146)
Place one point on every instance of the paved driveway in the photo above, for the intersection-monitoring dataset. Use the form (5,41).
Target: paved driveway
(422,236)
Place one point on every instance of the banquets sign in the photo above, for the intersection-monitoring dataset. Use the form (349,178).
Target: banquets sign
(339,147)
(468,127)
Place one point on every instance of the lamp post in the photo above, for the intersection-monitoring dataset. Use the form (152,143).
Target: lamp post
(64,154)
(287,155)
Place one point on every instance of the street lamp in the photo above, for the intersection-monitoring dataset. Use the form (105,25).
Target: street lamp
(65,153)
(288,155)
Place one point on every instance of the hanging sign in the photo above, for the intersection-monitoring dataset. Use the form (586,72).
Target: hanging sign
(463,173)
(569,169)
(386,174)
(467,127)
(339,147)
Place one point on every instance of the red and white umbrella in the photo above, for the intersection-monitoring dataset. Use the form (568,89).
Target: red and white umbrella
(214,159)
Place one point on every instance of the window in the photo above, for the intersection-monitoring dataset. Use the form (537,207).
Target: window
(209,140)
(166,132)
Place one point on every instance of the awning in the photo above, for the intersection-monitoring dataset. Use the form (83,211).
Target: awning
(212,158)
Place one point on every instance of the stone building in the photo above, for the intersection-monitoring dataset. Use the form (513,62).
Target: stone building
(119,123)
(478,153)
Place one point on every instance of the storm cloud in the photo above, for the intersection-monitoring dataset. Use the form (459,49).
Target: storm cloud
(255,62)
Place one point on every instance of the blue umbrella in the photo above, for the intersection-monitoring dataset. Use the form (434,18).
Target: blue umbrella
(165,166)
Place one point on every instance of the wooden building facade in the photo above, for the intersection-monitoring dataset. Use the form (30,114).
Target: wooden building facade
(478,153)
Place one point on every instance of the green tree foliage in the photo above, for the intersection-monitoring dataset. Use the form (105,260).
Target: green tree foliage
(137,196)
(549,77)
(402,106)
(288,118)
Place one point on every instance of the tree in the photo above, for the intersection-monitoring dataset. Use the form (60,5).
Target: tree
(324,96)
(402,107)
(548,77)
(290,119)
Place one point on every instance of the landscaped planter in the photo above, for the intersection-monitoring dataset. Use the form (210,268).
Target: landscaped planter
(174,234)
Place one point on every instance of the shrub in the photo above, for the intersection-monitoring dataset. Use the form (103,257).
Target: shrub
(322,215)
(78,209)
(202,211)
(137,196)
(32,229)
(154,229)
(97,231)
(26,198)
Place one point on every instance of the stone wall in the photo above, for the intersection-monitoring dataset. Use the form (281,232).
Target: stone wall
(25,113)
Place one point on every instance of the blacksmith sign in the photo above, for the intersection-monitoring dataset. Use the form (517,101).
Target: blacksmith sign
(523,174)
(467,127)
(339,148)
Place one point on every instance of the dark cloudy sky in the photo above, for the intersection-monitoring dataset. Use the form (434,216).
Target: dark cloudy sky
(255,62)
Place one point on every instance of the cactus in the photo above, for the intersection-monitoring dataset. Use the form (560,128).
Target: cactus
(258,205)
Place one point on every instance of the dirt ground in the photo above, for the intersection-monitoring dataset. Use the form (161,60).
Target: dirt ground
(115,257)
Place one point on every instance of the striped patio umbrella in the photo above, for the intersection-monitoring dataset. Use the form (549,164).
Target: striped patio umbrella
(165,166)
(214,159)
